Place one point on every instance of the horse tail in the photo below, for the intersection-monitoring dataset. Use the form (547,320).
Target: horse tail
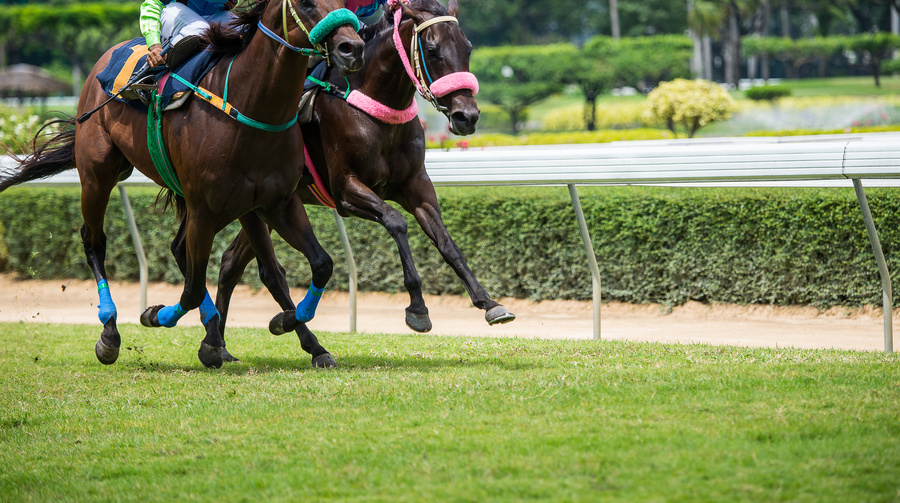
(50,157)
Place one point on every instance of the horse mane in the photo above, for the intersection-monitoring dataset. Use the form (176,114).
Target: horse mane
(387,21)
(231,38)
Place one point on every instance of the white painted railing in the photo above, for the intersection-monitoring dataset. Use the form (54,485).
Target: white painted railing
(827,160)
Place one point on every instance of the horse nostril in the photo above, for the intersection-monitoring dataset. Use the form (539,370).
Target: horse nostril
(351,52)
(465,119)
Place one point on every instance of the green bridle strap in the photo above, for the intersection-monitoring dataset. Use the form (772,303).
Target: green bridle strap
(331,88)
(223,105)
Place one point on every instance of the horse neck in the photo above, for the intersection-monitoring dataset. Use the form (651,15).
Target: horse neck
(266,78)
(383,77)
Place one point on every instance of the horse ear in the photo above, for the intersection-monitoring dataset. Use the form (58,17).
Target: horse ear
(453,8)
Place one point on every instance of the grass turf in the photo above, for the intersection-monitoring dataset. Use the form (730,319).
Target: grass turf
(424,418)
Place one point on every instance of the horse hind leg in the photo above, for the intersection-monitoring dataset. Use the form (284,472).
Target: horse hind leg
(95,194)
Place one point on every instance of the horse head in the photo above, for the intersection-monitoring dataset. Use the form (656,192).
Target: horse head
(325,24)
(440,52)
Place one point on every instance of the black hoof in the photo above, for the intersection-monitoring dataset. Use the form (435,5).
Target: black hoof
(324,361)
(149,317)
(228,357)
(418,322)
(210,357)
(106,354)
(283,323)
(498,314)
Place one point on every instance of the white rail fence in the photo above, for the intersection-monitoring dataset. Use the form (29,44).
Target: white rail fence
(821,161)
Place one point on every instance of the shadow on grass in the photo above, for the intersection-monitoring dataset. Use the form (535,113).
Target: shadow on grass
(353,363)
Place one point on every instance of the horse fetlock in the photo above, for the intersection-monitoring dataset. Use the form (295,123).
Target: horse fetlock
(420,322)
(498,315)
(283,323)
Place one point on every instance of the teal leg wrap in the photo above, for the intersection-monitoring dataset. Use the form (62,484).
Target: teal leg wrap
(169,316)
(306,309)
(207,310)
(107,309)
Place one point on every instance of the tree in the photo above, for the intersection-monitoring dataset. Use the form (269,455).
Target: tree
(591,72)
(873,48)
(689,103)
(514,78)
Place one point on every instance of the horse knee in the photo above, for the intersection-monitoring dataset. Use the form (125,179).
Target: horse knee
(322,270)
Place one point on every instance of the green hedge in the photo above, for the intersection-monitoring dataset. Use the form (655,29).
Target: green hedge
(666,245)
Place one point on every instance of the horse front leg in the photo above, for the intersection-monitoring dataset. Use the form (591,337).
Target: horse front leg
(179,251)
(290,221)
(252,242)
(199,234)
(360,201)
(421,201)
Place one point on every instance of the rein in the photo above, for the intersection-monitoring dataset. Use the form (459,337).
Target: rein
(431,90)
(329,23)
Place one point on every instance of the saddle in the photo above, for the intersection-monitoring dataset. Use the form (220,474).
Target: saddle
(132,57)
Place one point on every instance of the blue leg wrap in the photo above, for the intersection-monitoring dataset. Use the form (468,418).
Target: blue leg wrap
(169,315)
(107,309)
(207,310)
(306,309)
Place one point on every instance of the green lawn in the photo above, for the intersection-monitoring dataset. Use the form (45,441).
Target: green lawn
(424,418)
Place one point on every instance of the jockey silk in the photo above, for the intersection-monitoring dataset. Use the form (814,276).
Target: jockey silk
(204,7)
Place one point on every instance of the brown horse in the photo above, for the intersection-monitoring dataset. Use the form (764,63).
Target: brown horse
(226,168)
(365,160)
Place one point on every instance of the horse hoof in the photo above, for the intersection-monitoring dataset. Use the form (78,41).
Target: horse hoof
(149,317)
(324,361)
(106,354)
(210,357)
(228,357)
(283,323)
(498,314)
(418,322)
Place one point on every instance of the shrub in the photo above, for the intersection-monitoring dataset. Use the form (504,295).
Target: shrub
(664,245)
(767,93)
(690,103)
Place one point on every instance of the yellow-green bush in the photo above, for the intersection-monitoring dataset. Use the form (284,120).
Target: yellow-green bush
(691,104)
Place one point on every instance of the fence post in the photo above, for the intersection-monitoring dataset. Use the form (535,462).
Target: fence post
(351,267)
(138,246)
(887,297)
(592,257)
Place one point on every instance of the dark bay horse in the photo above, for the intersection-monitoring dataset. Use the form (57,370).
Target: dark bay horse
(226,168)
(369,148)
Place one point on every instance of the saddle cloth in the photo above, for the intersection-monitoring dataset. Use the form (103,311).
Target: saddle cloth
(133,55)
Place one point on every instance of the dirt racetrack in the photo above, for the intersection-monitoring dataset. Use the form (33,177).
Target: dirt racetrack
(74,301)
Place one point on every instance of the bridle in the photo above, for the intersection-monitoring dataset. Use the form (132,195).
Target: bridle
(329,23)
(430,89)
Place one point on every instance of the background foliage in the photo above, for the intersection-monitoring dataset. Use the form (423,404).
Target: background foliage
(664,245)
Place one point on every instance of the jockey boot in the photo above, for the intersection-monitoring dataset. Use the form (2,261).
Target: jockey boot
(183,50)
